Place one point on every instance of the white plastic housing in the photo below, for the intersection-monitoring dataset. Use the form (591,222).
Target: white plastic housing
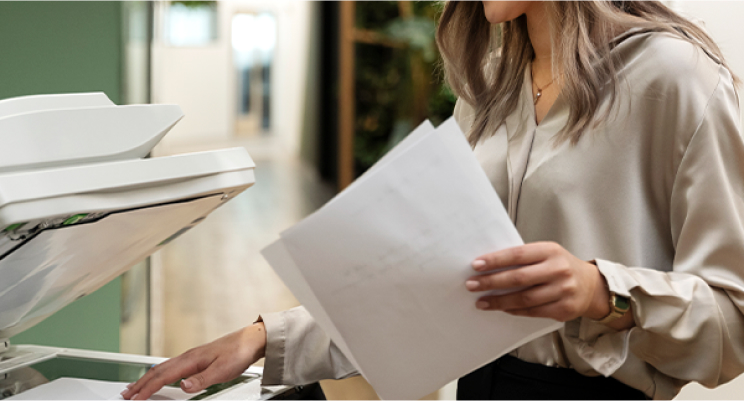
(25,104)
(79,205)
(51,138)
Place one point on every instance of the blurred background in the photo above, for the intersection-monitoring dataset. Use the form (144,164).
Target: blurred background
(315,91)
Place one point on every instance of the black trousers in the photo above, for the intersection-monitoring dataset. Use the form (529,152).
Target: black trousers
(510,378)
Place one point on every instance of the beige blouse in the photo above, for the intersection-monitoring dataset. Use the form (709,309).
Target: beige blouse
(654,195)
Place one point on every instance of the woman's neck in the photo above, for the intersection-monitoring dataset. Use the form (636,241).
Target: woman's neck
(545,89)
(538,28)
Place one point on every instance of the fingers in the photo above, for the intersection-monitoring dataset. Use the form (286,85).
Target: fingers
(521,255)
(202,380)
(556,310)
(160,375)
(559,309)
(526,276)
(551,282)
(219,361)
(530,298)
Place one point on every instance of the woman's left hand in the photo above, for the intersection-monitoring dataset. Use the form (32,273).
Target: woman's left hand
(554,283)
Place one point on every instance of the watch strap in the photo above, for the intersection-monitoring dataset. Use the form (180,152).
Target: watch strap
(619,306)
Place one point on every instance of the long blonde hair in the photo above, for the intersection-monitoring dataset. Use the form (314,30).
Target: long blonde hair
(582,51)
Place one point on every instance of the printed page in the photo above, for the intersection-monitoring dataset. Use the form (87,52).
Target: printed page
(388,258)
(280,259)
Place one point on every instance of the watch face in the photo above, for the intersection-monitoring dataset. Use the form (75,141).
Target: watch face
(622,303)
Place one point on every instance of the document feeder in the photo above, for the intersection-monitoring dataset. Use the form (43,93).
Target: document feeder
(79,205)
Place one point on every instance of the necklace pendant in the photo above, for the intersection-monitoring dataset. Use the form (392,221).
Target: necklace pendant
(538,95)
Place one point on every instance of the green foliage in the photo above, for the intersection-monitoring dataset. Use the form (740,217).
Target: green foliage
(417,32)
(195,4)
(379,81)
(375,15)
(396,87)
(442,104)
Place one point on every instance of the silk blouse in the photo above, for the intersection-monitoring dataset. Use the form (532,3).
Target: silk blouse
(653,194)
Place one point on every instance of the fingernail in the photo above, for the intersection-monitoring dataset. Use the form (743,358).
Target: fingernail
(130,385)
(472,284)
(481,304)
(186,384)
(478,264)
(134,397)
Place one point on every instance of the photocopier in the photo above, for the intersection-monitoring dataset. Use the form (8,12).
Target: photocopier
(80,203)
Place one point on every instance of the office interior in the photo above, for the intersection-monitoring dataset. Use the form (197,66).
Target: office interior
(316,92)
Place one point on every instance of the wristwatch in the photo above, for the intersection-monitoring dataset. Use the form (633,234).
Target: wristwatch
(619,306)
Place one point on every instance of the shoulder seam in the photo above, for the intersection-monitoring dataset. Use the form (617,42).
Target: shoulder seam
(697,127)
(705,109)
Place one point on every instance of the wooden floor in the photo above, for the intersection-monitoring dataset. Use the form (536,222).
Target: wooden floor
(213,279)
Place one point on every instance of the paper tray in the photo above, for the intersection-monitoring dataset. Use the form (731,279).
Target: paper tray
(49,138)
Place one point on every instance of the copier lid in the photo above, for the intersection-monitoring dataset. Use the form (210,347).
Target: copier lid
(49,131)
(25,104)
(66,231)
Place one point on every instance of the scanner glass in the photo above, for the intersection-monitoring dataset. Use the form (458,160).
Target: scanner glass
(22,379)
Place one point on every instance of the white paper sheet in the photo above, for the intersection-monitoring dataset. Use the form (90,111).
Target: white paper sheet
(386,263)
(425,128)
(67,388)
(287,269)
(417,134)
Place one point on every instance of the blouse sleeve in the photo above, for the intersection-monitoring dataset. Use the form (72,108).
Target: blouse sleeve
(689,321)
(299,352)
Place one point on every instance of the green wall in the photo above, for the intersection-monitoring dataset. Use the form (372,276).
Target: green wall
(57,47)
(91,322)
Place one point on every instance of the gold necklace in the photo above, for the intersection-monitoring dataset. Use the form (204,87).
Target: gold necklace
(538,95)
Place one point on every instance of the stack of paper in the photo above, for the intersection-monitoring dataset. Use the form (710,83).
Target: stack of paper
(382,267)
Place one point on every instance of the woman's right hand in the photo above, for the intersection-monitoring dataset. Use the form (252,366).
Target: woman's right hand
(217,362)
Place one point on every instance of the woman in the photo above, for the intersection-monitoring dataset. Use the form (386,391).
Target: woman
(610,131)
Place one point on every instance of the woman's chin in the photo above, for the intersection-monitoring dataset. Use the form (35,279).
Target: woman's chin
(502,11)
